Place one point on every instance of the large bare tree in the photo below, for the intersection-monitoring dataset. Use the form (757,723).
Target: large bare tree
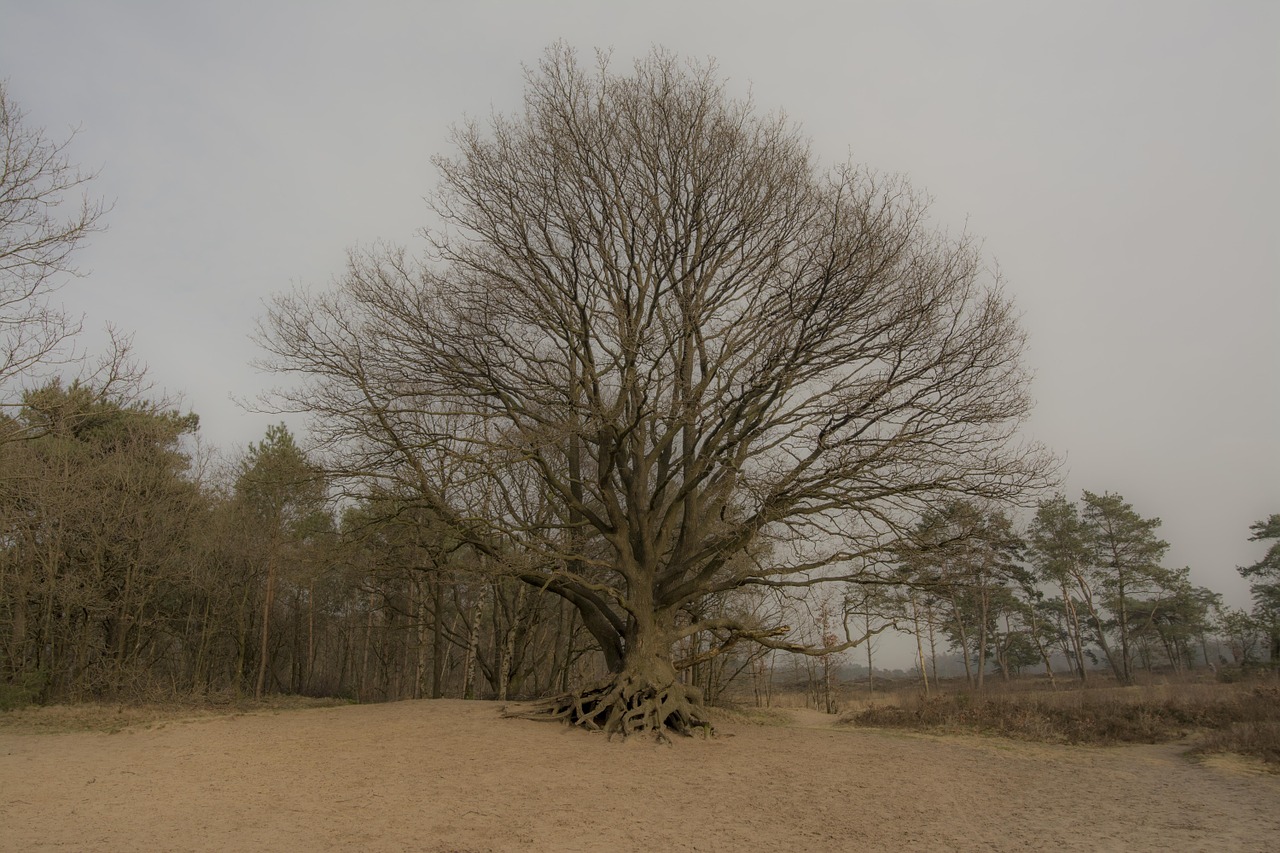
(655,354)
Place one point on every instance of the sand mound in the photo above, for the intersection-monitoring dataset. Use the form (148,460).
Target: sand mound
(454,776)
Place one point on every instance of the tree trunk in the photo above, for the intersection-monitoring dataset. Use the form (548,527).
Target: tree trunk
(437,638)
(363,689)
(1076,635)
(263,652)
(982,636)
(915,619)
(18,658)
(311,637)
(643,694)
(473,645)
(1002,649)
(199,669)
(1125,653)
(1044,652)
(566,666)
(1100,632)
(828,686)
(964,644)
(871,672)
(933,646)
(420,659)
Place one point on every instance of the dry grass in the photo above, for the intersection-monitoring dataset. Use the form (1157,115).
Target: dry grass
(1241,717)
(1260,739)
(749,716)
(115,717)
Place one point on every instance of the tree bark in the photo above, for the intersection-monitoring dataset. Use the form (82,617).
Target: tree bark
(437,638)
(473,645)
(263,652)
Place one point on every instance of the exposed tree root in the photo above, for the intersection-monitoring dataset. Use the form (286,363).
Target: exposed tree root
(625,706)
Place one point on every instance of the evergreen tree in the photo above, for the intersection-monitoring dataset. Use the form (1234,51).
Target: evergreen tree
(1126,556)
(282,498)
(1265,577)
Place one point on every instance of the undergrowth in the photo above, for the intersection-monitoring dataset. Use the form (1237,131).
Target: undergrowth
(1237,718)
(117,717)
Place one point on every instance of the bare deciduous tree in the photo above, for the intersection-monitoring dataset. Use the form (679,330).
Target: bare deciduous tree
(44,219)
(657,355)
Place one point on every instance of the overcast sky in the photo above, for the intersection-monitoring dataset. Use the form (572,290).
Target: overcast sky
(1119,159)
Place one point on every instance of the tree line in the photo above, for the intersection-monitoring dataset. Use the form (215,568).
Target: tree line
(1082,587)
(133,567)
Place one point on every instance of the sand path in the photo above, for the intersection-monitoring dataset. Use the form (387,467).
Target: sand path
(453,776)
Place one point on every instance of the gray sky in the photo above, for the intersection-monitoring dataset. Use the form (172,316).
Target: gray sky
(1118,159)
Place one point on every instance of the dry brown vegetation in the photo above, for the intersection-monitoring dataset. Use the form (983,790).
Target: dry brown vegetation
(111,718)
(1242,718)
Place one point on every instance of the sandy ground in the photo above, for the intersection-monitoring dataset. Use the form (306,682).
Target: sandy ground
(454,776)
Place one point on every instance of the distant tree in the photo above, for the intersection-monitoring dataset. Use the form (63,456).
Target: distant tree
(1241,631)
(44,218)
(281,497)
(825,626)
(1026,632)
(400,549)
(658,355)
(967,556)
(1104,559)
(1058,550)
(1178,615)
(876,608)
(1126,555)
(1265,577)
(917,607)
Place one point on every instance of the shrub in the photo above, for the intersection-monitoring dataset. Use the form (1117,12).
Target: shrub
(27,689)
